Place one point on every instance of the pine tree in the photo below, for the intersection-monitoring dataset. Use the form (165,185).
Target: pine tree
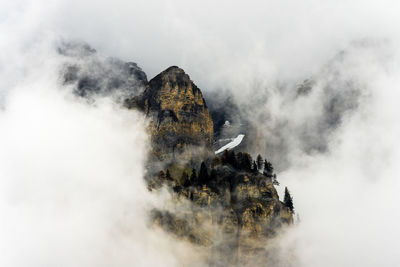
(203,174)
(288,200)
(168,176)
(161,176)
(260,162)
(247,160)
(225,157)
(255,167)
(193,177)
(177,189)
(232,159)
(244,161)
(185,179)
(212,181)
(274,180)
(213,175)
(268,169)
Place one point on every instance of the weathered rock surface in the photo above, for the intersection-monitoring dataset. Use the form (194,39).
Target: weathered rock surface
(92,75)
(235,212)
(181,125)
(227,206)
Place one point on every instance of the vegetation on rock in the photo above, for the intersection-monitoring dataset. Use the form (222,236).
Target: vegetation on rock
(226,201)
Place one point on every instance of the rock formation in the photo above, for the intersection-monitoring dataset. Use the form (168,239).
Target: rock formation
(220,202)
(181,125)
(92,75)
(235,211)
(226,204)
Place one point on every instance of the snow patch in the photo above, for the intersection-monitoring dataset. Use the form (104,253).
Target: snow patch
(232,144)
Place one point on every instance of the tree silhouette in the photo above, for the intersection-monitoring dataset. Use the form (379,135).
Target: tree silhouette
(203,174)
(232,159)
(260,162)
(193,177)
(255,167)
(229,157)
(225,156)
(268,169)
(185,179)
(274,180)
(168,176)
(161,176)
(213,175)
(288,200)
(244,161)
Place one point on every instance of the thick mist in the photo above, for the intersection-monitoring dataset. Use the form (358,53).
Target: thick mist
(72,188)
(71,172)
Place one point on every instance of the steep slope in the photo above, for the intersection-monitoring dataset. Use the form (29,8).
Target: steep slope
(221,202)
(92,75)
(181,125)
(233,209)
(226,204)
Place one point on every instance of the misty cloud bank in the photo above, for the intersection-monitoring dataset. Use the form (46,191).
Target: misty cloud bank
(71,172)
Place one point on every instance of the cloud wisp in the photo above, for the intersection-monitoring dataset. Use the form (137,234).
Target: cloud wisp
(71,173)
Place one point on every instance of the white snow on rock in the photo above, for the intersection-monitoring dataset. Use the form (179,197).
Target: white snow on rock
(232,144)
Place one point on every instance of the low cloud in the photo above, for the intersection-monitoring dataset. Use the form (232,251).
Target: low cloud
(72,187)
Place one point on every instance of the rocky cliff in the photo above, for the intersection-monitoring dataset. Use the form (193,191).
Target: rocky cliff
(91,75)
(181,125)
(227,206)
(225,203)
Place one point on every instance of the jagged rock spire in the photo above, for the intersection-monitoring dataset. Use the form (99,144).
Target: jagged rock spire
(181,121)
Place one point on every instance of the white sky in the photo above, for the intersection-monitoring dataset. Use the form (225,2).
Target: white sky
(347,198)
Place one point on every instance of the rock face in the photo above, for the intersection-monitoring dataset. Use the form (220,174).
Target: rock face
(92,75)
(181,126)
(226,205)
(235,211)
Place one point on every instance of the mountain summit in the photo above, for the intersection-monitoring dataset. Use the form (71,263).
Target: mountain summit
(181,127)
(235,206)
(227,204)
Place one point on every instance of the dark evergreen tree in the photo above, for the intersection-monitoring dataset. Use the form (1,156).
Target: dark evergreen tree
(288,200)
(268,169)
(274,180)
(216,161)
(260,162)
(225,157)
(212,182)
(247,162)
(255,167)
(193,177)
(161,176)
(185,180)
(232,159)
(213,175)
(177,189)
(244,161)
(168,176)
(203,174)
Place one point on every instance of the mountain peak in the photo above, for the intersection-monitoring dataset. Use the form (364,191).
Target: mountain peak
(181,120)
(174,77)
(175,69)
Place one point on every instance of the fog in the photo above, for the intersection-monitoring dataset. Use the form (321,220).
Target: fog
(71,173)
(72,188)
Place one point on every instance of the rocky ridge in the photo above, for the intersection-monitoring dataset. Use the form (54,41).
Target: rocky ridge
(227,203)
(181,127)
